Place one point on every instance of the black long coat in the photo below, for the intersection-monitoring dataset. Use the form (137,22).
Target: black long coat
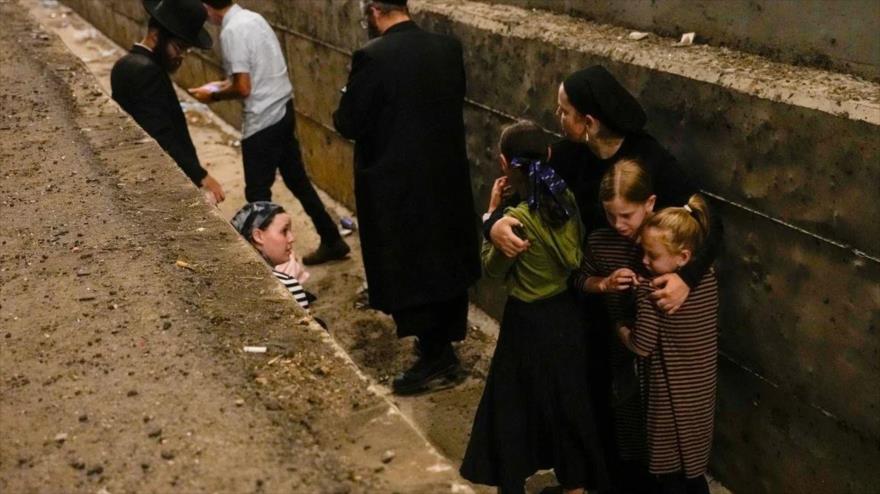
(403,108)
(143,89)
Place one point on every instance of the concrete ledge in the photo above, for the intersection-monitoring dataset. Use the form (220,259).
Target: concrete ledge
(838,34)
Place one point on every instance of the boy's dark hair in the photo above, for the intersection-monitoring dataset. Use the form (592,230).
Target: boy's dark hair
(524,139)
(218,4)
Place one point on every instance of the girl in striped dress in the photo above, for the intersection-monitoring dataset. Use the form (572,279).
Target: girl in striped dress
(679,352)
(611,267)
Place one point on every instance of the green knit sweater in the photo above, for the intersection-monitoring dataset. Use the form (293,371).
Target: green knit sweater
(542,271)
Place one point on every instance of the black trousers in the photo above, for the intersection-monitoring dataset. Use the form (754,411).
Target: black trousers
(436,324)
(276,148)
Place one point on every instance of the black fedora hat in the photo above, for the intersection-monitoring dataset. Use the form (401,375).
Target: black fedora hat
(183,18)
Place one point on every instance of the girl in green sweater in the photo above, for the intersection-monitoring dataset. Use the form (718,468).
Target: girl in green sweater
(535,413)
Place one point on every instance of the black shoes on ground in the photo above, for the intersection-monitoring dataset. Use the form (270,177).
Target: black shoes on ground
(444,369)
(327,252)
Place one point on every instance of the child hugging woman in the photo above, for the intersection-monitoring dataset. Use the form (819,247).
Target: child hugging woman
(612,267)
(535,411)
(665,425)
(679,352)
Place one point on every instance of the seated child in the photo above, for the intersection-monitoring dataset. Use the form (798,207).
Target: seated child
(267,227)
(535,412)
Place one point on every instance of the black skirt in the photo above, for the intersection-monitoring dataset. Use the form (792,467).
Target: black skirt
(535,412)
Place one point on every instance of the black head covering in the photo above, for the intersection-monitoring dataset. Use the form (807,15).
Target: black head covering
(183,18)
(402,3)
(594,91)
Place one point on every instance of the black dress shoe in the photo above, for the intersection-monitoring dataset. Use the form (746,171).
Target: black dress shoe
(420,376)
(324,253)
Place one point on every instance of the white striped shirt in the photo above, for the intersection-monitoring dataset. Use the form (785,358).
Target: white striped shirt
(294,287)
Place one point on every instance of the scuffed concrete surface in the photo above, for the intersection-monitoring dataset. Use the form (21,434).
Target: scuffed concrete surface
(834,93)
(839,35)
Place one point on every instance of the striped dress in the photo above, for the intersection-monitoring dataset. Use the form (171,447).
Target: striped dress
(680,374)
(606,252)
(294,287)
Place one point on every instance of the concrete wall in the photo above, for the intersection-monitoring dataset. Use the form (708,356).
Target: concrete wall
(838,34)
(791,156)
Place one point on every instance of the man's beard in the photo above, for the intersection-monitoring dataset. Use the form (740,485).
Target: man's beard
(165,61)
(372,29)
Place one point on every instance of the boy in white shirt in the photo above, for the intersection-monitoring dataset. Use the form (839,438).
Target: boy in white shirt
(257,74)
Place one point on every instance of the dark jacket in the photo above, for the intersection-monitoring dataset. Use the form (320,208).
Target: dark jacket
(143,89)
(403,108)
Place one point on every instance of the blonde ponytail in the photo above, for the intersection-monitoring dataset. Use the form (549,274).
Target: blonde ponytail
(682,227)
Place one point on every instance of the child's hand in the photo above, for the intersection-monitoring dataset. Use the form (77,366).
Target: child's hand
(294,269)
(619,281)
(623,333)
(500,190)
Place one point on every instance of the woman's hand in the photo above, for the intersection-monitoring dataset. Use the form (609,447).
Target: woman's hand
(505,240)
(619,281)
(670,292)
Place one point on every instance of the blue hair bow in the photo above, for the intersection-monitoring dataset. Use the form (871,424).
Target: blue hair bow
(542,175)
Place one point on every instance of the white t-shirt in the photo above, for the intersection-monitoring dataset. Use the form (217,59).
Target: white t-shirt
(249,45)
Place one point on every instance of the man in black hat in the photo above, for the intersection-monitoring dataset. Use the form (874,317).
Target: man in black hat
(141,84)
(403,108)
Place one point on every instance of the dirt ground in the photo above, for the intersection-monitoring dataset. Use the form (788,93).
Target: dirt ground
(366,335)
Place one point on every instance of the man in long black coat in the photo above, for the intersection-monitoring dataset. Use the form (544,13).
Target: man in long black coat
(141,84)
(403,108)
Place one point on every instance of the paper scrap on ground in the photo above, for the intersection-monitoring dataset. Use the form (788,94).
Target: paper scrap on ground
(687,39)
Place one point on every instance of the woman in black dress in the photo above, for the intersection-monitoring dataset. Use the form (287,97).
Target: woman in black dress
(602,124)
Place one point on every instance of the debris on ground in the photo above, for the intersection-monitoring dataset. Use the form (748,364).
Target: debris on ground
(687,39)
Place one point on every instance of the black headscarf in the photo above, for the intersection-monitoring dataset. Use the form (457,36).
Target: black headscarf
(594,91)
